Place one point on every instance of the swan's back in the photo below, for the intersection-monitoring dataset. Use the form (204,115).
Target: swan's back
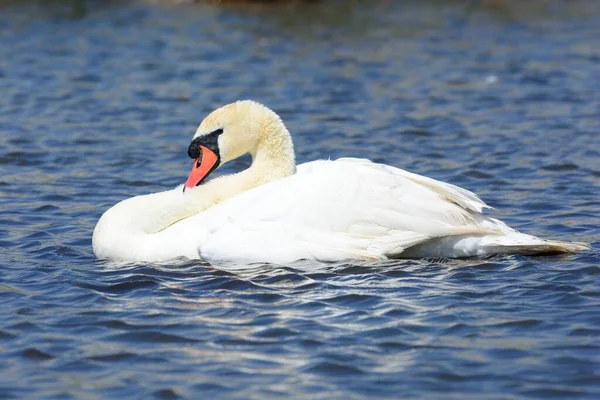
(373,211)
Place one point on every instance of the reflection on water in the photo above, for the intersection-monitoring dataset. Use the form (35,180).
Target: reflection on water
(99,102)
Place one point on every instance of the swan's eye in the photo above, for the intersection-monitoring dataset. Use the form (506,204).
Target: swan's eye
(217,132)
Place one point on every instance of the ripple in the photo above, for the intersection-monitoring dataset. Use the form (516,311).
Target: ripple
(334,369)
(166,394)
(151,337)
(122,287)
(34,354)
(358,300)
(114,357)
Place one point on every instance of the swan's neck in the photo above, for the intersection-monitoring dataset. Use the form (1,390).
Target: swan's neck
(273,157)
(130,230)
(138,228)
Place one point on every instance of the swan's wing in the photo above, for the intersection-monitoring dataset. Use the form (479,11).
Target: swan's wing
(331,210)
(452,193)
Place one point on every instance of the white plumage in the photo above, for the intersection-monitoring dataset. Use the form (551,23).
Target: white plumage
(326,210)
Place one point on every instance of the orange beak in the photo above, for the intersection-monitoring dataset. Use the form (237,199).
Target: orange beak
(202,167)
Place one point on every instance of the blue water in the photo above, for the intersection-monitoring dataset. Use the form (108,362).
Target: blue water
(99,100)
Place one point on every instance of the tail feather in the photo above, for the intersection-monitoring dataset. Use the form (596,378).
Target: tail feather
(536,246)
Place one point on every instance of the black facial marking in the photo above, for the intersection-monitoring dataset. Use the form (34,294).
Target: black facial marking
(210,141)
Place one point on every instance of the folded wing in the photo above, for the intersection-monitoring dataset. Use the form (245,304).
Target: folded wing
(349,208)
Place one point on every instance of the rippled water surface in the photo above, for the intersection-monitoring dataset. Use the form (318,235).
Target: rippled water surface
(99,100)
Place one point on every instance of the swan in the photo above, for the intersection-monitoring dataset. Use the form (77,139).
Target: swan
(278,212)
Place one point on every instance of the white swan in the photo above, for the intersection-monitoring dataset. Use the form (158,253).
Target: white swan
(324,210)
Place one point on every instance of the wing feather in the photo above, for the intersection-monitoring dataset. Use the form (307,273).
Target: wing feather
(349,208)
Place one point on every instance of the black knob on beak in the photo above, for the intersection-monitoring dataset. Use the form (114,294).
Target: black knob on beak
(210,141)
(194,149)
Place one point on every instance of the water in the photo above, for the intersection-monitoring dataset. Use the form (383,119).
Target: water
(100,99)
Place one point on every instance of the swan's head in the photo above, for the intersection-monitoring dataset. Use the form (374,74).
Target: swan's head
(226,134)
